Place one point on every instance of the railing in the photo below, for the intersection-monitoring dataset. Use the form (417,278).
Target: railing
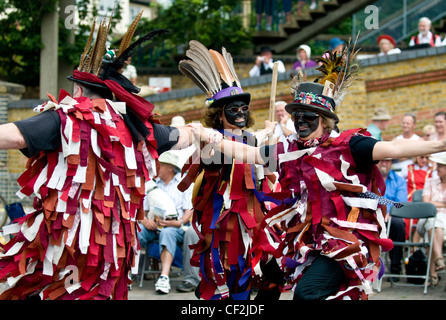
(400,24)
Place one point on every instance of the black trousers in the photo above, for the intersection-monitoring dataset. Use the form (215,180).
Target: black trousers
(322,279)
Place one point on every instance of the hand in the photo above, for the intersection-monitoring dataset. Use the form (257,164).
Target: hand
(169,223)
(259,60)
(270,125)
(205,134)
(149,224)
(284,119)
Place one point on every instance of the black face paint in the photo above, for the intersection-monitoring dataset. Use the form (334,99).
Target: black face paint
(236,113)
(305,123)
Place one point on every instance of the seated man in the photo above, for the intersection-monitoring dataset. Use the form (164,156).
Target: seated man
(167,229)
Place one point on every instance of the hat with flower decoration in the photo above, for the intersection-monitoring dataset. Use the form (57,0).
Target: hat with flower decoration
(339,73)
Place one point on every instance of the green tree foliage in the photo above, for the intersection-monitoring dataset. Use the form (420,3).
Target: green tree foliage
(20,39)
(215,23)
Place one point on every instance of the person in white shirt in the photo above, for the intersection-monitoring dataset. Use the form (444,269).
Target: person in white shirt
(130,71)
(264,63)
(284,126)
(408,125)
(169,230)
(425,35)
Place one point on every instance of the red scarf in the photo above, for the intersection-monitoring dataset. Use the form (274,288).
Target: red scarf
(139,105)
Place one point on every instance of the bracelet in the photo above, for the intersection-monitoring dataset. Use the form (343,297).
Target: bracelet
(214,138)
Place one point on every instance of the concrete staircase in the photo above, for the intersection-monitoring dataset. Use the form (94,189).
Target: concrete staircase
(309,24)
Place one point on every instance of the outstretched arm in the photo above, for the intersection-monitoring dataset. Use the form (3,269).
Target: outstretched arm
(11,137)
(232,149)
(404,148)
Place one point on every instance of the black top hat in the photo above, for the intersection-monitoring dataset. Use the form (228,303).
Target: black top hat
(309,97)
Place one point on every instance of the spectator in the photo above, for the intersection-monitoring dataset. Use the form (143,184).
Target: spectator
(284,126)
(267,7)
(336,45)
(287,9)
(380,121)
(440,126)
(416,174)
(434,192)
(396,190)
(428,132)
(264,63)
(387,45)
(408,125)
(171,233)
(303,58)
(130,71)
(191,274)
(425,35)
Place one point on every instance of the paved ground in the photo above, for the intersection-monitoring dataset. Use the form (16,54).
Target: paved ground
(388,292)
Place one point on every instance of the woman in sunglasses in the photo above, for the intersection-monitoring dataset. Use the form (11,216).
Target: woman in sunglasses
(331,202)
(233,251)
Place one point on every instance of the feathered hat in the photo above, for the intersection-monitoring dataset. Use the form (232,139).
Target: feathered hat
(214,74)
(339,73)
(101,70)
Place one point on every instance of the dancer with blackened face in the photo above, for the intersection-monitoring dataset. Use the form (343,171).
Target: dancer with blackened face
(331,203)
(234,251)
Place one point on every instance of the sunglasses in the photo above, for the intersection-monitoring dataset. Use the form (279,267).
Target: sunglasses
(306,116)
(237,109)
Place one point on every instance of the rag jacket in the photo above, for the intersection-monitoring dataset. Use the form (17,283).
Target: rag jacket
(323,213)
(80,242)
(228,213)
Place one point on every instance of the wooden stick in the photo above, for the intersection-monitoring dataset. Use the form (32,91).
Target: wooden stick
(272,100)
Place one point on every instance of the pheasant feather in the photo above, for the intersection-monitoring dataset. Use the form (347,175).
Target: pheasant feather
(208,63)
(222,67)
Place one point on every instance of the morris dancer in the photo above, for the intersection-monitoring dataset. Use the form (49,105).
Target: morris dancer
(332,209)
(89,158)
(233,248)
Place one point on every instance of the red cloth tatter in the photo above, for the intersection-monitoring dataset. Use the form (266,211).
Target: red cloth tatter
(139,105)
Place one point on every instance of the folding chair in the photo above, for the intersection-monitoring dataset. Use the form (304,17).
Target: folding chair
(418,196)
(413,210)
(151,260)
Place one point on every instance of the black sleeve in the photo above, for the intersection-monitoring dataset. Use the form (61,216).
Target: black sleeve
(166,137)
(41,132)
(362,151)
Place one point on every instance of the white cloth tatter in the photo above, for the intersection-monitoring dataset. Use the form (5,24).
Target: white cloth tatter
(130,157)
(118,106)
(355,225)
(371,204)
(69,147)
(58,172)
(47,105)
(30,232)
(293,155)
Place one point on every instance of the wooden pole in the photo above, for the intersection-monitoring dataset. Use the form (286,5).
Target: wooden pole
(272,100)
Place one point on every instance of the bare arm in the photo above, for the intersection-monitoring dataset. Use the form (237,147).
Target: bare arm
(438,204)
(185,139)
(11,137)
(404,148)
(232,149)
